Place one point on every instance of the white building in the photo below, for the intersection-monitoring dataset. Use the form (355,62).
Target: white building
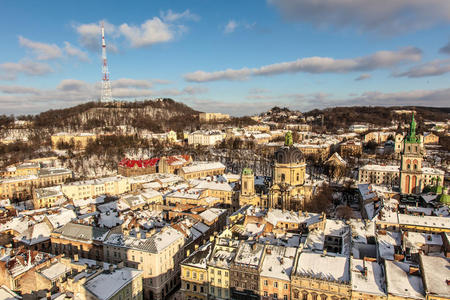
(205,138)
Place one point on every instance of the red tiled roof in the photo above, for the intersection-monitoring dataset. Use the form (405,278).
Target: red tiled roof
(141,163)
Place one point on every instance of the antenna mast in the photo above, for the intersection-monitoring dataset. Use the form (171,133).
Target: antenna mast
(106,84)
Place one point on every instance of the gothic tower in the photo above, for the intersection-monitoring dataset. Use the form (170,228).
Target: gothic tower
(411,162)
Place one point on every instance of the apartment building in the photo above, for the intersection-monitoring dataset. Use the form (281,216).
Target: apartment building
(79,140)
(158,256)
(21,187)
(202,169)
(194,274)
(115,185)
(208,117)
(205,138)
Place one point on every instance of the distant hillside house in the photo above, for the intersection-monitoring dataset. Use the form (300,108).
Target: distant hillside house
(79,140)
(208,117)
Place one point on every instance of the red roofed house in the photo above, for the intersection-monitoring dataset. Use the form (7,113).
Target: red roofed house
(131,167)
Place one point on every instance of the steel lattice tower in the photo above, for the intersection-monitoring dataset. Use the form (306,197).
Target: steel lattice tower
(106,84)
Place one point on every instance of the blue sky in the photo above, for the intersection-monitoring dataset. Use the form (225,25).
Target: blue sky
(240,57)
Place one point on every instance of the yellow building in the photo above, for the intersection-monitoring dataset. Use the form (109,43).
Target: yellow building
(93,188)
(219,265)
(320,277)
(78,140)
(47,197)
(202,169)
(158,256)
(275,276)
(289,190)
(195,197)
(23,169)
(208,117)
(194,274)
(21,187)
(430,138)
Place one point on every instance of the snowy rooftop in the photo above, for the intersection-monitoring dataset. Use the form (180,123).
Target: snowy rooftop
(401,283)
(84,233)
(211,185)
(370,281)
(387,243)
(7,294)
(278,262)
(436,272)
(324,267)
(61,218)
(418,239)
(202,166)
(52,191)
(154,244)
(381,168)
(426,221)
(106,285)
(275,216)
(55,271)
(200,257)
(211,214)
(249,254)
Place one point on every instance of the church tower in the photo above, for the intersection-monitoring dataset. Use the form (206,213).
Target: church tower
(288,191)
(411,162)
(247,182)
(247,195)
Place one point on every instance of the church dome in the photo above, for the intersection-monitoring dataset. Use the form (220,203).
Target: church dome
(289,155)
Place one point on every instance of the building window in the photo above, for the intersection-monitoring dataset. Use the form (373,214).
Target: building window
(275,284)
(265,282)
(265,294)
(188,286)
(285,286)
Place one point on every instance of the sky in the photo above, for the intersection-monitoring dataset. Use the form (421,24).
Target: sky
(238,57)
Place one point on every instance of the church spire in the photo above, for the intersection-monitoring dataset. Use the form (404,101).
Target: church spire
(412,138)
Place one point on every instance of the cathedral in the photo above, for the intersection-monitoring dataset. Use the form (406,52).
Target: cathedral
(411,177)
(288,190)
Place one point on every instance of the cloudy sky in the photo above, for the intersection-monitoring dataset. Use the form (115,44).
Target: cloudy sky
(239,57)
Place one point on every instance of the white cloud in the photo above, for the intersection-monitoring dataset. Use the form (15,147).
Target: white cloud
(231,26)
(90,36)
(74,51)
(10,70)
(151,32)
(363,77)
(433,68)
(388,17)
(378,60)
(128,82)
(42,51)
(170,16)
(13,89)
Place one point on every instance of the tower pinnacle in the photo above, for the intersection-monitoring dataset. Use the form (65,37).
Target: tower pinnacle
(106,84)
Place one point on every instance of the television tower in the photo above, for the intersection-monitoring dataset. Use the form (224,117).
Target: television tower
(106,84)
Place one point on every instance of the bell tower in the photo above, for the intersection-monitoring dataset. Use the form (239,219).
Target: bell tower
(411,162)
(248,182)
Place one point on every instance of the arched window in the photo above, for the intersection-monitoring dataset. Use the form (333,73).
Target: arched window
(296,294)
(283,177)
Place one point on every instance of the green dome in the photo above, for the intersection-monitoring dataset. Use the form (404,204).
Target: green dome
(247,171)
